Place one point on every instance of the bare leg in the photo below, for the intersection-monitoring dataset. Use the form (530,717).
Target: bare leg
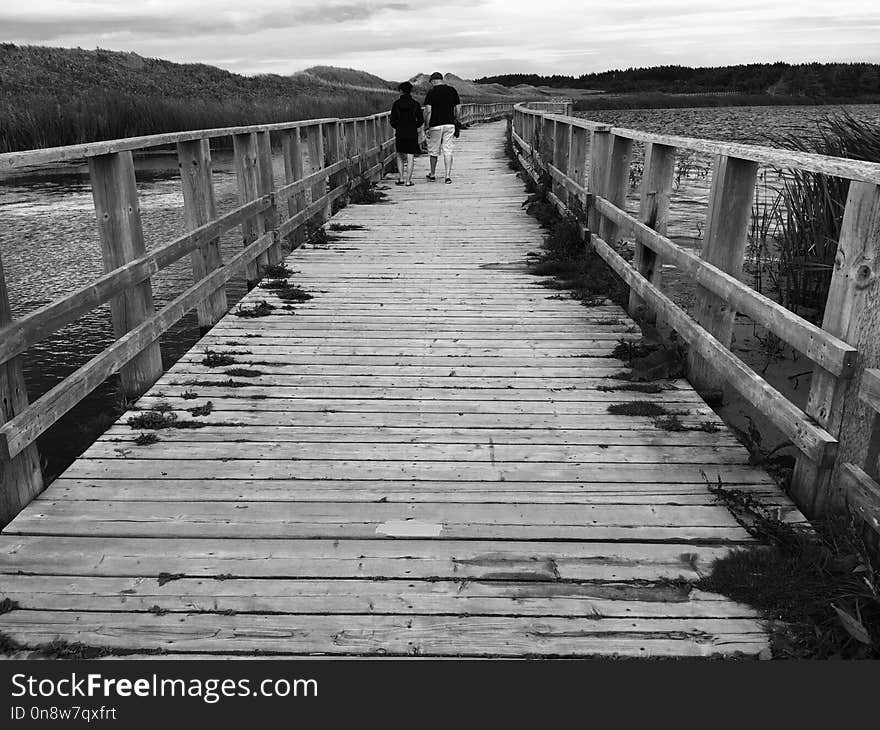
(447,161)
(409,170)
(433,165)
(400,163)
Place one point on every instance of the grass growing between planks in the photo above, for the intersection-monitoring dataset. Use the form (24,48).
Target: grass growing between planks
(819,591)
(573,265)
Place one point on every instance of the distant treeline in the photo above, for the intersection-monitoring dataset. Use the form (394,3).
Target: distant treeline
(814,80)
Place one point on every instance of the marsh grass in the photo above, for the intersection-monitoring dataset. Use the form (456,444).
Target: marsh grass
(62,96)
(819,589)
(810,213)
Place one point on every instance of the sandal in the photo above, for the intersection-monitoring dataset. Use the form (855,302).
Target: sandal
(431,177)
(399,182)
(448,180)
(410,184)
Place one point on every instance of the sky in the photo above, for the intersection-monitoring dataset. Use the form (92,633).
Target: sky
(396,39)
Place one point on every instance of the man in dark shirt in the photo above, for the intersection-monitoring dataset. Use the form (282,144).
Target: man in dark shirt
(441,111)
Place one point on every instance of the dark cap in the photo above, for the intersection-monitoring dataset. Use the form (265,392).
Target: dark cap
(406,87)
(436,75)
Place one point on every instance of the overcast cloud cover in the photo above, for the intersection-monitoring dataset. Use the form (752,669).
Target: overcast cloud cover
(396,39)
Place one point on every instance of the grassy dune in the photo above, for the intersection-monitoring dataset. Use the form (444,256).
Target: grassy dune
(60,96)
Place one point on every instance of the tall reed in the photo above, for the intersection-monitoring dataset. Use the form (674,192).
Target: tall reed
(812,211)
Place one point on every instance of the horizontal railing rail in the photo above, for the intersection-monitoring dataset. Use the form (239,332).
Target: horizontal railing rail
(323,159)
(588,163)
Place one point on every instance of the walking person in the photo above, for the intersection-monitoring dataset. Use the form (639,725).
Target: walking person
(406,118)
(441,112)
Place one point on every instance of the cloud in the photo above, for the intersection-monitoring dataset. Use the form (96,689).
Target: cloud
(395,38)
(178,20)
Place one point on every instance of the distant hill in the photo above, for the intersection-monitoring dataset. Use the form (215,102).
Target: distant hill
(60,96)
(472,91)
(347,78)
(818,81)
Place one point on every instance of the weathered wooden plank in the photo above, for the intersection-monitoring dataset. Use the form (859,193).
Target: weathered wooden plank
(490,451)
(395,636)
(397,597)
(122,468)
(399,558)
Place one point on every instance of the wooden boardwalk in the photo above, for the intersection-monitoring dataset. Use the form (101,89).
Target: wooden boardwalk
(420,461)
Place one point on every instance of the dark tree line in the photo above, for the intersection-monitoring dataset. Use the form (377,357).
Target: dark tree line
(816,80)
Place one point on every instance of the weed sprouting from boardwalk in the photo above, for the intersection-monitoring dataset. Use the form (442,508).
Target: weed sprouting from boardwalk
(574,264)
(243,372)
(286,291)
(217,359)
(204,410)
(365,192)
(164,578)
(146,439)
(7,605)
(819,589)
(278,271)
(156,421)
(260,309)
(637,408)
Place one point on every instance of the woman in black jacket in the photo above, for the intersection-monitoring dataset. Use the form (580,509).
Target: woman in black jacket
(406,118)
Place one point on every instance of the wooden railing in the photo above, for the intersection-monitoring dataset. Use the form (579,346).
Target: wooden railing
(589,162)
(323,158)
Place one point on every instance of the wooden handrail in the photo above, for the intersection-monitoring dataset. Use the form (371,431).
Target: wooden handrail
(771,156)
(22,333)
(834,348)
(22,430)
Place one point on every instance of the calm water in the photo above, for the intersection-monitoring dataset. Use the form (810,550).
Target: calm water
(50,246)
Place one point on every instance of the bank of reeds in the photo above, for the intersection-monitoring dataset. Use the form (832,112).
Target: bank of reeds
(35,120)
(811,213)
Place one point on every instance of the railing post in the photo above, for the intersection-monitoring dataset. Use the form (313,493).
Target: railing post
(373,137)
(335,153)
(20,477)
(852,313)
(194,160)
(616,183)
(265,186)
(248,177)
(291,151)
(600,150)
(577,157)
(315,152)
(114,190)
(561,151)
(724,246)
(656,188)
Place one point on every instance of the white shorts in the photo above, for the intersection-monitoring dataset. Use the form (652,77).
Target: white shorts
(440,140)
